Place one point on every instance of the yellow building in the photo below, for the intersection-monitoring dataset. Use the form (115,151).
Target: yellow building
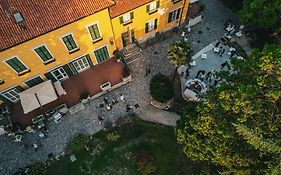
(42,40)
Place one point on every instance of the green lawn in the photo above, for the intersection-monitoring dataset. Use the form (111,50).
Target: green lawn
(152,146)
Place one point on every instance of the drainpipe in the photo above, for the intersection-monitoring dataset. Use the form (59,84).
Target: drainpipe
(182,11)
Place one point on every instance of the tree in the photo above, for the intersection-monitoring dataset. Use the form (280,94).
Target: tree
(161,88)
(38,168)
(179,53)
(261,13)
(237,126)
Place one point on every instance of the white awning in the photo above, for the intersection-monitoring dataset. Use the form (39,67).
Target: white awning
(37,96)
(190,95)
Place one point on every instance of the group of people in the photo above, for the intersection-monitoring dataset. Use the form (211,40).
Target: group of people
(208,77)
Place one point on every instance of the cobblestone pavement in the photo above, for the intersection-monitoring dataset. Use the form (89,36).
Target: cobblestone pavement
(14,156)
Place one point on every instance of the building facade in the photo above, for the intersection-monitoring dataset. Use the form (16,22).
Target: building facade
(41,41)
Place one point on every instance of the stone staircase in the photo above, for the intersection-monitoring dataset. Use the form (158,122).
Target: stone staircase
(131,53)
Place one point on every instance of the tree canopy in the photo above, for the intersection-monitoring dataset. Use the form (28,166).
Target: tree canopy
(261,13)
(237,127)
(179,53)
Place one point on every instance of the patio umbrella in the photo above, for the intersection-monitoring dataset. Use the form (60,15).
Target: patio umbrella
(37,96)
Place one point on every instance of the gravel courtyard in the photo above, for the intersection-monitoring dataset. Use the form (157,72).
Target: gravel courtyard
(14,156)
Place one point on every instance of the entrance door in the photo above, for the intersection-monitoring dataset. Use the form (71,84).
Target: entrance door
(128,37)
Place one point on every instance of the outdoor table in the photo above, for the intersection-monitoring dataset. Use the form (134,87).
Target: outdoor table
(216,49)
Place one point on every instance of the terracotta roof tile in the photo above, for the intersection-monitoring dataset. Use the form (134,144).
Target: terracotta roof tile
(41,16)
(123,6)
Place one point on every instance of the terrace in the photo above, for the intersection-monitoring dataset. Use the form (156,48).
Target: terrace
(87,81)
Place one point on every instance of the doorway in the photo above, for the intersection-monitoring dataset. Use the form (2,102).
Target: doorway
(128,37)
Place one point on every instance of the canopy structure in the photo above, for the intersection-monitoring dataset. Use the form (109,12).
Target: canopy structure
(190,95)
(37,96)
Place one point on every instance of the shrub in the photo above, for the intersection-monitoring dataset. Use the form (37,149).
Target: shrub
(79,142)
(161,88)
(84,95)
(38,168)
(113,136)
(117,54)
(145,163)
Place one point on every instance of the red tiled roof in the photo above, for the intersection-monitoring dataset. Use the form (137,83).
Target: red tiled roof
(42,16)
(123,6)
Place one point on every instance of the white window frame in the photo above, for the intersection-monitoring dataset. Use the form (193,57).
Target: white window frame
(31,79)
(50,60)
(87,28)
(71,33)
(5,61)
(106,45)
(151,27)
(152,6)
(80,58)
(126,17)
(174,14)
(8,90)
(58,68)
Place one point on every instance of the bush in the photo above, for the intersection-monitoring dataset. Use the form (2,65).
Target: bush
(113,136)
(145,163)
(161,88)
(79,142)
(84,95)
(38,168)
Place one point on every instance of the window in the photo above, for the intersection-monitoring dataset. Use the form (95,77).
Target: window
(34,81)
(174,15)
(12,94)
(17,65)
(18,17)
(94,32)
(152,7)
(150,25)
(69,42)
(175,1)
(59,74)
(44,54)
(101,54)
(126,18)
(81,64)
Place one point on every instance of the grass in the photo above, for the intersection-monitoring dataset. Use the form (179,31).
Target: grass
(137,141)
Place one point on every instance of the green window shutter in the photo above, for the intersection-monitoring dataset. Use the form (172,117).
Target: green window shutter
(43,53)
(16,65)
(178,13)
(89,60)
(132,15)
(72,68)
(147,8)
(69,42)
(146,27)
(121,19)
(19,89)
(155,24)
(33,82)
(67,70)
(94,31)
(50,76)
(101,54)
(157,4)
(170,17)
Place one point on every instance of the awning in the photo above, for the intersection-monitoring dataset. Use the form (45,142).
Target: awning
(37,96)
(190,95)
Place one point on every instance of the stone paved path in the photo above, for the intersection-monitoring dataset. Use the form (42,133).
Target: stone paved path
(13,156)
(155,115)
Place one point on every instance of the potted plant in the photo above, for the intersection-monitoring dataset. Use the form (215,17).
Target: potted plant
(84,97)
(126,74)
(117,55)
